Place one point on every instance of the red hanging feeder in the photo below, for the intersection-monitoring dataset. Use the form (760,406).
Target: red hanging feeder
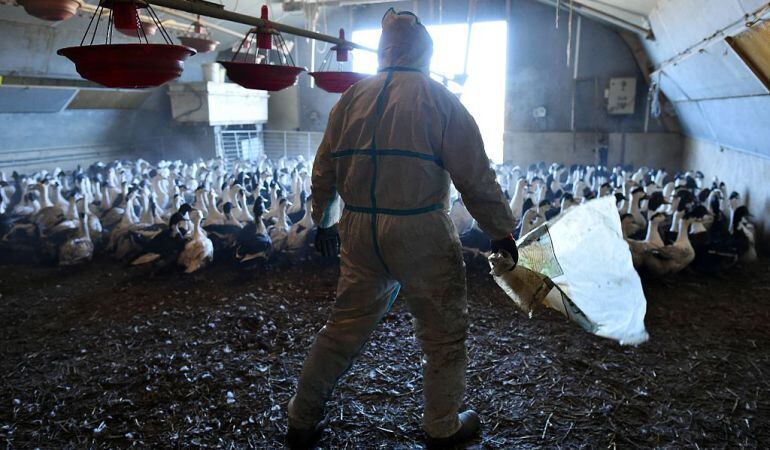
(129,66)
(266,77)
(53,10)
(148,28)
(337,82)
(198,37)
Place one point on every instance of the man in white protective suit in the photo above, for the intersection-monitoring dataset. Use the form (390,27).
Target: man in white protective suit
(392,144)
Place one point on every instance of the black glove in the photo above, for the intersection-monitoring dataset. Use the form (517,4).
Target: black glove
(327,241)
(507,244)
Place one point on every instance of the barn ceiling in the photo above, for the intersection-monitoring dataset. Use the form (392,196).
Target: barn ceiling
(639,7)
(717,95)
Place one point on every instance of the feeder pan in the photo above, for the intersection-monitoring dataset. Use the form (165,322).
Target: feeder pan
(200,44)
(197,37)
(336,82)
(130,66)
(148,27)
(53,10)
(266,77)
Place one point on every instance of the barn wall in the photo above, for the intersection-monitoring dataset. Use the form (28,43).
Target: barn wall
(659,150)
(32,140)
(539,76)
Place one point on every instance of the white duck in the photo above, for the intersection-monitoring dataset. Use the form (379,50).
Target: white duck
(461,218)
(517,201)
(651,241)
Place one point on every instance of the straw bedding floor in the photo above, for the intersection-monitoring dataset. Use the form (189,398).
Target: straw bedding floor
(104,357)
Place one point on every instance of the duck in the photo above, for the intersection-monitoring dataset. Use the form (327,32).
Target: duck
(640,223)
(279,231)
(242,213)
(651,241)
(50,218)
(95,229)
(461,218)
(224,234)
(198,251)
(254,246)
(212,214)
(163,250)
(296,213)
(78,249)
(527,222)
(129,237)
(114,210)
(300,233)
(744,234)
(670,259)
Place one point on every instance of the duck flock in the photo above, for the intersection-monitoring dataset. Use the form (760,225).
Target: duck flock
(185,216)
(669,221)
(169,215)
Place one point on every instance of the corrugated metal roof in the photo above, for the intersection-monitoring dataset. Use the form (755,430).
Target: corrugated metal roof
(716,94)
(640,7)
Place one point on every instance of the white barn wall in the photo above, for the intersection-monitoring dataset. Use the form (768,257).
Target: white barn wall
(659,150)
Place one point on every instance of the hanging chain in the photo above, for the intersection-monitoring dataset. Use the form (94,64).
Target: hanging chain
(240,46)
(286,54)
(96,27)
(96,18)
(161,28)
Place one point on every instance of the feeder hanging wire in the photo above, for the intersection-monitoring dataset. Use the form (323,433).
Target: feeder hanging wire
(569,33)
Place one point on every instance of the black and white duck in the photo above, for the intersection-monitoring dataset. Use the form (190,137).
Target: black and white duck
(224,234)
(301,232)
(163,250)
(254,246)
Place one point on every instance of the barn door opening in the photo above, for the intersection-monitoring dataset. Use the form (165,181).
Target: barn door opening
(482,92)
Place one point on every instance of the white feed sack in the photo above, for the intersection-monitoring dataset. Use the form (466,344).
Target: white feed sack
(585,271)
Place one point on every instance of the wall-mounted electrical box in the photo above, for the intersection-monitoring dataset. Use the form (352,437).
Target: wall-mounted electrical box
(621,96)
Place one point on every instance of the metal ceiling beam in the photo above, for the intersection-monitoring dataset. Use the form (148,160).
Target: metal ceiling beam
(218,12)
(205,23)
(603,16)
(760,15)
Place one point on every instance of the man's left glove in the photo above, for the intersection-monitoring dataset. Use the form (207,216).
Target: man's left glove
(509,245)
(327,241)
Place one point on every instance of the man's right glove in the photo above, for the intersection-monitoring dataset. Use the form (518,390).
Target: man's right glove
(509,245)
(327,241)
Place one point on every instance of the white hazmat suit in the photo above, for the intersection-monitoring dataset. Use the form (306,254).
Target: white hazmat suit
(392,144)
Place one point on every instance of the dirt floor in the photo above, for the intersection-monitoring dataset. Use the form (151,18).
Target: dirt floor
(103,357)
